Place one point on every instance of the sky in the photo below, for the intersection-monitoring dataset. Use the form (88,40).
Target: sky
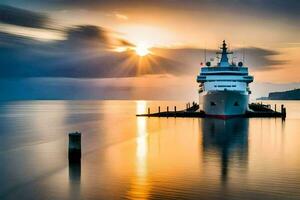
(95,49)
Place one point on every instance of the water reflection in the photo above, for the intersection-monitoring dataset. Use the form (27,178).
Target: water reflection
(125,157)
(74,178)
(141,142)
(74,172)
(139,188)
(226,140)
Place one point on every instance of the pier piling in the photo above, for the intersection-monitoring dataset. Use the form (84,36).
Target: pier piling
(283,112)
(74,147)
(256,110)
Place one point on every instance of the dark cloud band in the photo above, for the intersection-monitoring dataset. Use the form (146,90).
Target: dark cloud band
(85,54)
(21,17)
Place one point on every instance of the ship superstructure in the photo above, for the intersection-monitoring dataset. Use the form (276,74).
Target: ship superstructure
(224,88)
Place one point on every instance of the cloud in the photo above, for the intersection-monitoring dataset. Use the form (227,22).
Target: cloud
(257,59)
(286,8)
(20,17)
(86,33)
(86,53)
(261,59)
(121,16)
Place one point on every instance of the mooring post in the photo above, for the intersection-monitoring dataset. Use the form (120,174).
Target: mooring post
(275,107)
(283,112)
(158,109)
(174,111)
(74,146)
(167,109)
(148,111)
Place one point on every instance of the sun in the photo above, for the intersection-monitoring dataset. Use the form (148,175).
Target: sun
(142,50)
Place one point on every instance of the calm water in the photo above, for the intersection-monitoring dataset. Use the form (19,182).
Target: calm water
(125,157)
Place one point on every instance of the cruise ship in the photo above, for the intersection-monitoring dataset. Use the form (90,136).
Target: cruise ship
(224,88)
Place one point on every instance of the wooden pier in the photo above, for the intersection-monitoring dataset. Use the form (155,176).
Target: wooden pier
(258,110)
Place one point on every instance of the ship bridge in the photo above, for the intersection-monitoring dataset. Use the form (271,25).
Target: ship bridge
(224,75)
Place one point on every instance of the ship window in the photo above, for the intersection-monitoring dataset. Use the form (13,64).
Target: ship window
(212,103)
(236,103)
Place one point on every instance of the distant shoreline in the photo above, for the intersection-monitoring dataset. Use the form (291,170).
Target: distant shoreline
(285,95)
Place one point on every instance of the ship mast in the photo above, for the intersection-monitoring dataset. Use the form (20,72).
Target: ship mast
(224,58)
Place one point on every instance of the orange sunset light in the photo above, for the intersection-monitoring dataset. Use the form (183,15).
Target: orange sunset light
(141,50)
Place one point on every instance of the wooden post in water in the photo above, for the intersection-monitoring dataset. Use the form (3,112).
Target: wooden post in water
(167,109)
(175,110)
(158,109)
(275,107)
(74,147)
(148,111)
(283,112)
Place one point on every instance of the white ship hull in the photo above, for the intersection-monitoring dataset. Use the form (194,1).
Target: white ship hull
(224,104)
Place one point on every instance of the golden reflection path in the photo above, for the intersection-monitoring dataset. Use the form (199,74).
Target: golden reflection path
(139,188)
